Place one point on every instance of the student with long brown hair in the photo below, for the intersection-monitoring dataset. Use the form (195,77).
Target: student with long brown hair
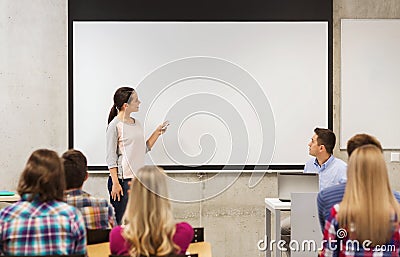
(150,228)
(126,146)
(41,223)
(366,221)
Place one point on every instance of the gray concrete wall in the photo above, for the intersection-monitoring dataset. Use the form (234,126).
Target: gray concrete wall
(33,79)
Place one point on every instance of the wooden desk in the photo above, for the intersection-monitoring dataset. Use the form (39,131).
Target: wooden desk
(10,199)
(273,209)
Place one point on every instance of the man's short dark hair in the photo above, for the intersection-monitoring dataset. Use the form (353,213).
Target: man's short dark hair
(327,138)
(360,140)
(75,168)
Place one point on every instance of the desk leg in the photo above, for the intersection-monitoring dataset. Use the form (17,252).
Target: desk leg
(268,231)
(277,236)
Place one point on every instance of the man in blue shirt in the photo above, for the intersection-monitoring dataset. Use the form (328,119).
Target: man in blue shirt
(330,196)
(331,171)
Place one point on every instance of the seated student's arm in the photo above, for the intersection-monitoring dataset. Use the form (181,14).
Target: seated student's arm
(183,236)
(397,195)
(330,243)
(79,231)
(309,166)
(321,209)
(342,176)
(1,236)
(112,222)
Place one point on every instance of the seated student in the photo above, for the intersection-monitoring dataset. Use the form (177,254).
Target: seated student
(41,223)
(366,221)
(331,170)
(98,213)
(330,196)
(149,226)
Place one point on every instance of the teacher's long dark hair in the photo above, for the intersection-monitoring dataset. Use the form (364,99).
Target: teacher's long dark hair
(121,96)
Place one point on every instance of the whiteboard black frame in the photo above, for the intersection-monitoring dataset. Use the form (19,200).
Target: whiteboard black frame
(208,10)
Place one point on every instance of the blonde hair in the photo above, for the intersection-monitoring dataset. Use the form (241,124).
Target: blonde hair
(368,203)
(149,223)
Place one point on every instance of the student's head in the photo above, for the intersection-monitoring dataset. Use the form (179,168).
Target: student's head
(360,140)
(323,140)
(149,222)
(75,168)
(367,168)
(368,202)
(43,176)
(123,98)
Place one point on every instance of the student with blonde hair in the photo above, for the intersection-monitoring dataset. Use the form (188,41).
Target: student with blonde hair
(366,222)
(150,228)
(330,196)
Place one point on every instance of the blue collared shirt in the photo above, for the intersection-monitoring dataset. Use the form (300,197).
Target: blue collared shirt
(331,172)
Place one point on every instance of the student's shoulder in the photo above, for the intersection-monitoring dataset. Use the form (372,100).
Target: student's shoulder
(19,209)
(184,227)
(397,195)
(11,211)
(340,162)
(95,201)
(309,166)
(65,209)
(311,161)
(116,232)
(335,191)
(113,124)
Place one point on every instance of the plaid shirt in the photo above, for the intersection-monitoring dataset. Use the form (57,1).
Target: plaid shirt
(97,213)
(41,228)
(338,244)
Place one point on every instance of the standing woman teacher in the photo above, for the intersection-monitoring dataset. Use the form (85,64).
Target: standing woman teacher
(126,146)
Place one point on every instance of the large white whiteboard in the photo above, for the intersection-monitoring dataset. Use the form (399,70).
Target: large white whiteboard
(370,86)
(234,92)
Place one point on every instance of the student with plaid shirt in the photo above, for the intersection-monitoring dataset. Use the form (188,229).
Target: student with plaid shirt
(41,223)
(97,213)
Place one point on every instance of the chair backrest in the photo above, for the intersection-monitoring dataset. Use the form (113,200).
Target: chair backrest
(99,250)
(198,235)
(305,224)
(97,236)
(203,249)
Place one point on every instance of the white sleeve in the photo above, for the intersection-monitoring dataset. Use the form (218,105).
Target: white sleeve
(112,146)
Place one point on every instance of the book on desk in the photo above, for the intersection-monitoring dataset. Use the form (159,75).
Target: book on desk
(6,193)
